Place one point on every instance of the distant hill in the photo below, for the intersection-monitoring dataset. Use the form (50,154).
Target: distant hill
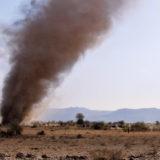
(128,115)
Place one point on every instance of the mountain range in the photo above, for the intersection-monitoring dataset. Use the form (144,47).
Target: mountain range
(127,115)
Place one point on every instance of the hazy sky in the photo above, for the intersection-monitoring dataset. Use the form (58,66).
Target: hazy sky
(123,72)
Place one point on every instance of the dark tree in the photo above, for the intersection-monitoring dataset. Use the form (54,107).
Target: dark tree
(80,118)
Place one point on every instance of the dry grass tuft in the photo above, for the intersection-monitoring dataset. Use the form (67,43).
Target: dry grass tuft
(107,154)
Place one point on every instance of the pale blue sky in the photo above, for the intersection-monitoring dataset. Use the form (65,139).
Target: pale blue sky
(123,72)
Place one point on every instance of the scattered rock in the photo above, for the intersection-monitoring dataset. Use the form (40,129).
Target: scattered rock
(45,156)
(147,156)
(131,157)
(76,157)
(83,157)
(20,155)
(41,133)
(79,136)
(101,158)
(34,148)
(2,156)
(30,156)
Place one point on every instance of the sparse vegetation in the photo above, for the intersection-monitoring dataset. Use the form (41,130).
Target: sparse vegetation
(98,125)
(139,126)
(15,128)
(102,140)
(107,155)
(12,129)
(126,128)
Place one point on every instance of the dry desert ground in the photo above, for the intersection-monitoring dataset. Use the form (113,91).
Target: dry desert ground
(74,143)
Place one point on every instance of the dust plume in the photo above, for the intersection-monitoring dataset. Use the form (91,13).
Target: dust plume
(46,44)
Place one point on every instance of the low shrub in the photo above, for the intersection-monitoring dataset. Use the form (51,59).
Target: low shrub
(80,122)
(15,128)
(79,136)
(107,155)
(12,129)
(139,126)
(41,133)
(98,125)
(126,128)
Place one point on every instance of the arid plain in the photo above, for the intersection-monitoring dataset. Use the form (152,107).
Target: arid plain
(48,142)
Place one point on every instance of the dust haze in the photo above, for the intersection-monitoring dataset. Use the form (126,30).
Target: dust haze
(46,44)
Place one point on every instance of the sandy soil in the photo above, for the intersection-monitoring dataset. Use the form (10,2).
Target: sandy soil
(80,144)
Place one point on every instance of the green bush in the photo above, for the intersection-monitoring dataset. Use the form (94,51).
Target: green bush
(121,124)
(139,126)
(126,128)
(80,121)
(14,129)
(98,125)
